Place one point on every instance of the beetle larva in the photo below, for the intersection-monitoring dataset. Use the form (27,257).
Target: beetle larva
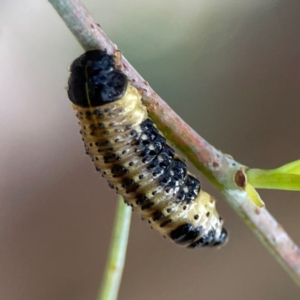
(134,156)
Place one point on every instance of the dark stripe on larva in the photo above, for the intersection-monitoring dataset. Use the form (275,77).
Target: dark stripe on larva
(134,156)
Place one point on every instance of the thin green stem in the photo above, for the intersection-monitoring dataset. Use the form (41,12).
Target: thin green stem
(117,253)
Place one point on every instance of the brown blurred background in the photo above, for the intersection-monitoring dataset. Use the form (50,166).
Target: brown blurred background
(230,68)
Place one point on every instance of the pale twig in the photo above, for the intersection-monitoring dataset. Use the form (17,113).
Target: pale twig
(222,170)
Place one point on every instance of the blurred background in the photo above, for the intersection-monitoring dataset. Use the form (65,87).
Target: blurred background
(230,68)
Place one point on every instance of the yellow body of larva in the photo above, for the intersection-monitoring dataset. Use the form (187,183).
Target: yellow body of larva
(134,157)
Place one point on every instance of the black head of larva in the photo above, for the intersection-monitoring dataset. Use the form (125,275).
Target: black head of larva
(94,80)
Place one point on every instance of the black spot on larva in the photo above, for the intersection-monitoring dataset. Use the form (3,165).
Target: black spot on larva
(148,205)
(149,135)
(180,232)
(181,195)
(102,143)
(133,133)
(119,171)
(111,185)
(148,158)
(164,181)
(157,215)
(151,150)
(147,125)
(129,185)
(169,190)
(98,115)
(193,186)
(161,162)
(111,158)
(93,127)
(185,233)
(140,152)
(174,175)
(141,199)
(208,239)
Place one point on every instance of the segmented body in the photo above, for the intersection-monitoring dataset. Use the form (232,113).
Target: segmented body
(135,158)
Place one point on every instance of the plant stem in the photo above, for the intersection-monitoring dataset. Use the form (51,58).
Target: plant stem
(117,253)
(219,168)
